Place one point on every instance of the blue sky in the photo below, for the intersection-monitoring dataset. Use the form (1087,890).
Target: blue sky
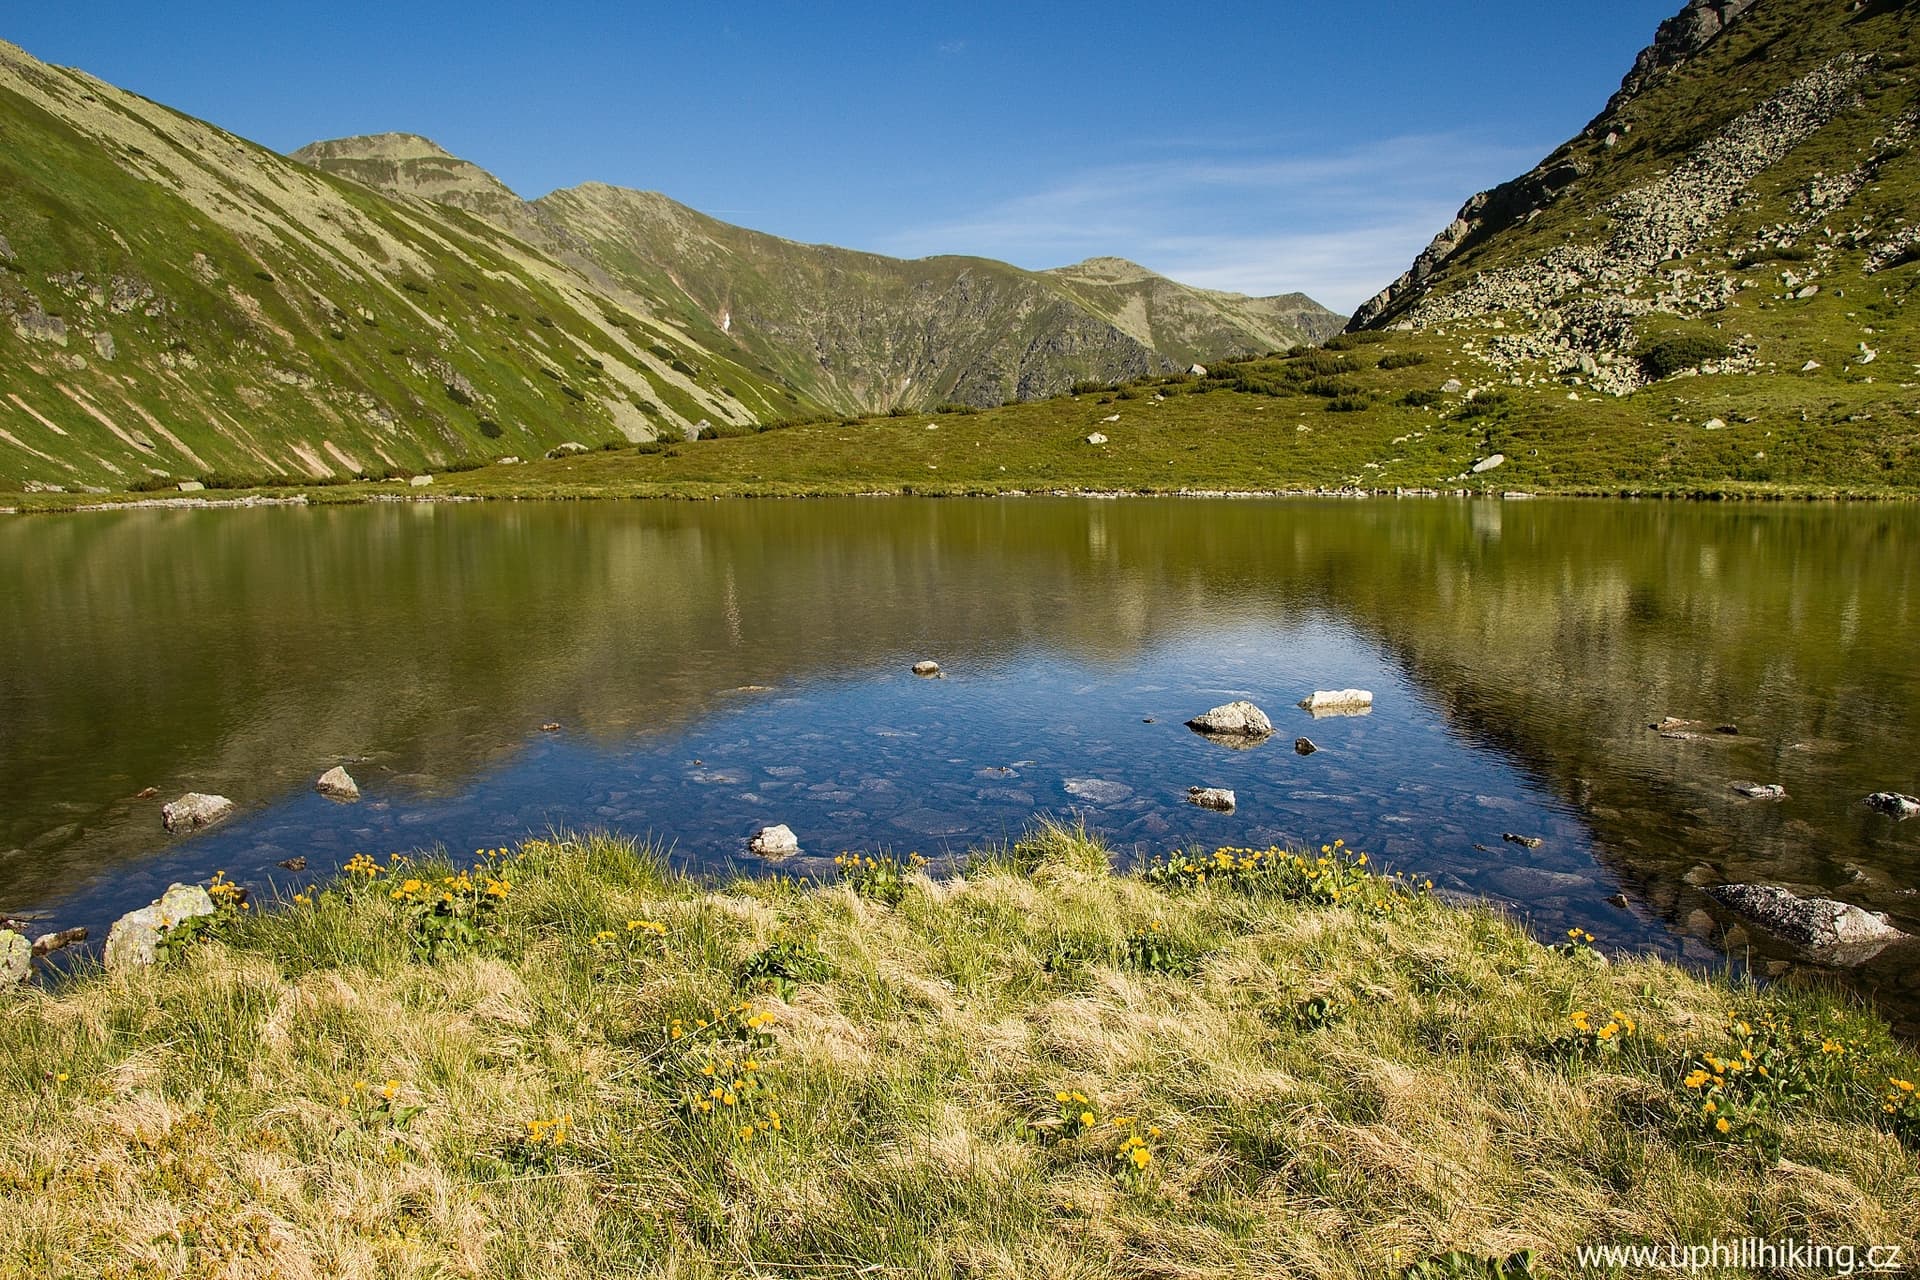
(1261,148)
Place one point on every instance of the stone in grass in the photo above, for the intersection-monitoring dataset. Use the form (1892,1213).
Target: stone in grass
(1218,799)
(774,842)
(194,810)
(1834,932)
(16,958)
(1239,719)
(136,936)
(337,784)
(1893,804)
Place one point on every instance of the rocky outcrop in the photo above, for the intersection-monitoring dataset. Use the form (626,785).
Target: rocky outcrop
(1833,932)
(136,936)
(1679,38)
(194,810)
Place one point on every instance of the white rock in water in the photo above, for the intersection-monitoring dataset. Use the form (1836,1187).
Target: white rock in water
(775,842)
(1838,932)
(1241,719)
(16,958)
(1216,798)
(194,810)
(420,482)
(1489,463)
(1893,804)
(1761,790)
(1338,702)
(336,783)
(1096,438)
(926,667)
(135,936)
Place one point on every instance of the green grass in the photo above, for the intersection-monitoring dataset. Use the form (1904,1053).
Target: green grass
(1331,1074)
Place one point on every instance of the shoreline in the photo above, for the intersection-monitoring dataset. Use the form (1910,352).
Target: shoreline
(565,1045)
(354,496)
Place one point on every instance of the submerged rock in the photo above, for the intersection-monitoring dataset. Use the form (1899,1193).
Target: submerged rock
(1760,790)
(1338,702)
(337,784)
(774,842)
(1239,719)
(1894,804)
(194,810)
(1514,837)
(1218,799)
(1097,790)
(1836,932)
(136,936)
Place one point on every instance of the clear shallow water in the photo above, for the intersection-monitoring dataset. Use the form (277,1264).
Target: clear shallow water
(715,667)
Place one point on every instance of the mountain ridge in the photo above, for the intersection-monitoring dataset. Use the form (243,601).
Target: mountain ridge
(857,329)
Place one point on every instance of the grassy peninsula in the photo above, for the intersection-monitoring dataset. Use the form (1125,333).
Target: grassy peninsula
(566,1060)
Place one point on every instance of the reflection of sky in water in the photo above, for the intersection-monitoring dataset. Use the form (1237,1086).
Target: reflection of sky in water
(943,765)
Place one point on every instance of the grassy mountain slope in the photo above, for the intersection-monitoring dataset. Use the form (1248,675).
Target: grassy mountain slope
(177,302)
(859,331)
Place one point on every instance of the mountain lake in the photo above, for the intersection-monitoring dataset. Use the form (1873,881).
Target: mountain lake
(691,672)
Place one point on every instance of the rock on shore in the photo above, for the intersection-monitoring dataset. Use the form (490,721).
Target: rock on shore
(136,936)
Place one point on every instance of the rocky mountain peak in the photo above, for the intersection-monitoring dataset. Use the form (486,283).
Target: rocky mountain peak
(1678,39)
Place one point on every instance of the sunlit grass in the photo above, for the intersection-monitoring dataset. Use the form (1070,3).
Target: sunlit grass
(1247,1063)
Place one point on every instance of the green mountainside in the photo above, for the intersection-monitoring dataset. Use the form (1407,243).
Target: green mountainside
(858,331)
(177,302)
(180,305)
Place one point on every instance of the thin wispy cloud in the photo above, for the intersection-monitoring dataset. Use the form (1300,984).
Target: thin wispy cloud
(1336,225)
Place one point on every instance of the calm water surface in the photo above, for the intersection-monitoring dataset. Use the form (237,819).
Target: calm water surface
(715,667)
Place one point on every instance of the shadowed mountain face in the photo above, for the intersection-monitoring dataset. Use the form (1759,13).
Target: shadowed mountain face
(857,331)
(244,652)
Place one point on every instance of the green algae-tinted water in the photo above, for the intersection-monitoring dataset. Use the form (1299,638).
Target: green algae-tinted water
(717,666)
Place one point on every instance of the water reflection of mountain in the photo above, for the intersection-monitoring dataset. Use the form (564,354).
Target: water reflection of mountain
(243,651)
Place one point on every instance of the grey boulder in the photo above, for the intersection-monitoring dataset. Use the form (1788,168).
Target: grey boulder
(135,937)
(774,842)
(1836,932)
(1240,719)
(16,958)
(337,784)
(1216,798)
(194,810)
